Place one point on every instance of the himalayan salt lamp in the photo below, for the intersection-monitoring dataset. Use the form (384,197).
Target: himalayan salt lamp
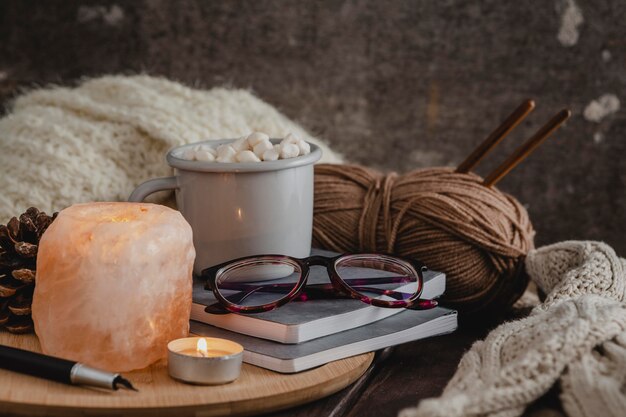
(113,284)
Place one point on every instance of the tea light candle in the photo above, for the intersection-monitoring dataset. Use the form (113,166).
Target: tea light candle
(204,360)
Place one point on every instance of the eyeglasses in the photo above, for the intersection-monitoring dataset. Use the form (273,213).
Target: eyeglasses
(255,284)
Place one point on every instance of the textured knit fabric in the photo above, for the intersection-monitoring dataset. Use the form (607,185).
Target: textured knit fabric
(96,142)
(577,338)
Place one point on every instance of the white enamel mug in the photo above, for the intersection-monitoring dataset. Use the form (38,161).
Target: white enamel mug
(241,209)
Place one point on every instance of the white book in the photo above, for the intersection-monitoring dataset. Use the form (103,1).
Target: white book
(406,326)
(300,321)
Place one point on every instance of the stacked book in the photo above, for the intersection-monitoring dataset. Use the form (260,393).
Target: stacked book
(304,334)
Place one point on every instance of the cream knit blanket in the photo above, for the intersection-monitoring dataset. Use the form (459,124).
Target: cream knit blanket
(96,142)
(577,338)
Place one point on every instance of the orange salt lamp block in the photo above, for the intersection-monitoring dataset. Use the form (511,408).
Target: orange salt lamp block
(113,284)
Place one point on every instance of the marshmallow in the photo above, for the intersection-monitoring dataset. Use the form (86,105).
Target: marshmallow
(290,138)
(255,147)
(204,155)
(241,144)
(247,156)
(261,147)
(207,148)
(226,151)
(304,147)
(289,150)
(256,137)
(188,154)
(271,154)
(225,159)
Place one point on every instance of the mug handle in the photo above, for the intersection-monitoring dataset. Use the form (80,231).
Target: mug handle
(152,186)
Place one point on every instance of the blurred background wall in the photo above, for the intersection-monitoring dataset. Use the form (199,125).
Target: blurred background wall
(392,84)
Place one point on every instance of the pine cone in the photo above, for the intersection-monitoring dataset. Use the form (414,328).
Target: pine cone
(19,241)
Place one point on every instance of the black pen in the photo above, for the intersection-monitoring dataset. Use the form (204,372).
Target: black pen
(60,370)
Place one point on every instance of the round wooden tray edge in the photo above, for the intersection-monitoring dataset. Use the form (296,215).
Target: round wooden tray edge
(279,401)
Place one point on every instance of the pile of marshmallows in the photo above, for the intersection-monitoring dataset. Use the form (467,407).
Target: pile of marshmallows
(255,147)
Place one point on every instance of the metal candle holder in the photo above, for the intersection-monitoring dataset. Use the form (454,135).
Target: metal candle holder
(219,364)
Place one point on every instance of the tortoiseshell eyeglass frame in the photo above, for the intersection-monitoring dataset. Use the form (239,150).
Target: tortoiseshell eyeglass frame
(336,288)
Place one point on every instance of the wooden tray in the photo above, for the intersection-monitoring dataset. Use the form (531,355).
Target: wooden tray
(256,391)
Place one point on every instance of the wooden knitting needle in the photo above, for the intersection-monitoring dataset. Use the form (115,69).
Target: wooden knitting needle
(527,148)
(496,136)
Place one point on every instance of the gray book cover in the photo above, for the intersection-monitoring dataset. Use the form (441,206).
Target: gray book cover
(406,326)
(297,322)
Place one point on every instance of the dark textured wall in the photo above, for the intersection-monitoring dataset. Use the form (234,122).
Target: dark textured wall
(392,84)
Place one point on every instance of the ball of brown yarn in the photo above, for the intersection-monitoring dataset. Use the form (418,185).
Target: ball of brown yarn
(477,235)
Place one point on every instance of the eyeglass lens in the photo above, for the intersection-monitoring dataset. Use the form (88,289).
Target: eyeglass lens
(381,277)
(258,281)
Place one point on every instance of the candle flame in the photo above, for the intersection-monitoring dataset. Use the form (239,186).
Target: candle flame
(202,347)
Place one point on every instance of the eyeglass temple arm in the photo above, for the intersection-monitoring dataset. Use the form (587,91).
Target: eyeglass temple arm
(242,295)
(420,304)
(317,290)
(350,281)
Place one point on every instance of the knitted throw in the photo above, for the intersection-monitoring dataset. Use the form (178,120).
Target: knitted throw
(96,142)
(577,338)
